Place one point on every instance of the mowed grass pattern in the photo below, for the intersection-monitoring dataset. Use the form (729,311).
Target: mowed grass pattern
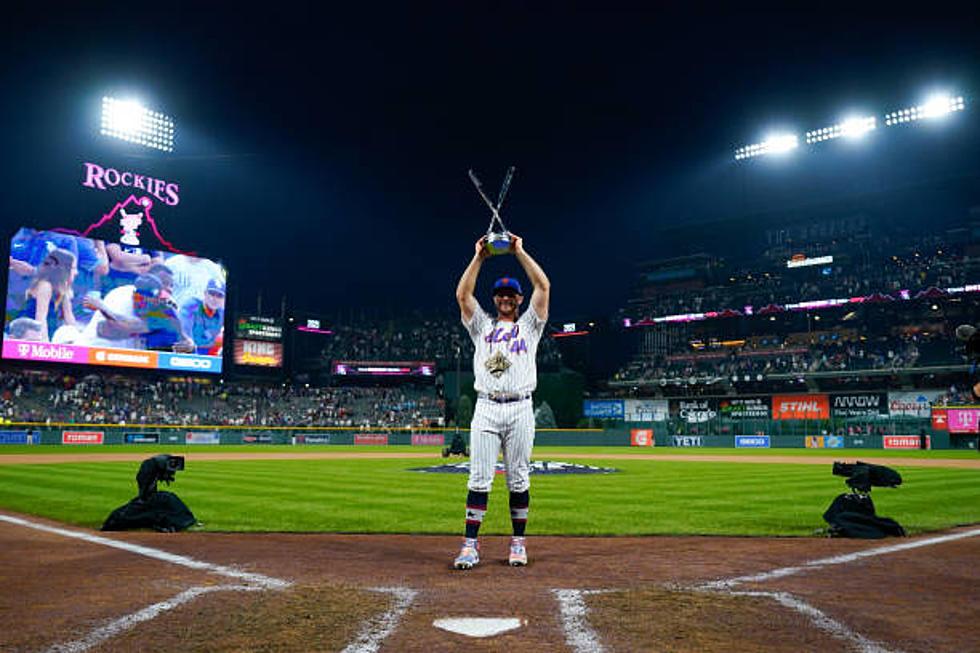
(381,496)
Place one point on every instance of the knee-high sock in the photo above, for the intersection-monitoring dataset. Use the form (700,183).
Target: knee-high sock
(519,502)
(476,508)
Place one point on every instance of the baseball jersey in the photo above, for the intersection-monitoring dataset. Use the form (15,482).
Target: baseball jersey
(202,328)
(119,301)
(505,353)
(191,276)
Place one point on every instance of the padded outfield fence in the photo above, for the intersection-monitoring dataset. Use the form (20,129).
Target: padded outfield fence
(801,434)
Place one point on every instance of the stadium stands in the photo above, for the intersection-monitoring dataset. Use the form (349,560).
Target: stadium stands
(55,397)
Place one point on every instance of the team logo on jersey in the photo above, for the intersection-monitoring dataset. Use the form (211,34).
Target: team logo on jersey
(497,364)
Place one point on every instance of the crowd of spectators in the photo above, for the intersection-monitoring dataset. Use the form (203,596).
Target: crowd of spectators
(421,338)
(915,266)
(51,397)
(838,356)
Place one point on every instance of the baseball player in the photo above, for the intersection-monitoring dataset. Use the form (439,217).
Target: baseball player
(505,375)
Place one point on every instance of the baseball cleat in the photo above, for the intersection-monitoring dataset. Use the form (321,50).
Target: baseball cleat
(518,552)
(469,554)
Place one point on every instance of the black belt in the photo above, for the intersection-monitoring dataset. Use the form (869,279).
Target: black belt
(503,397)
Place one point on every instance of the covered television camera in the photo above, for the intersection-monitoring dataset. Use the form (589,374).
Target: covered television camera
(161,511)
(162,467)
(969,335)
(852,514)
(862,476)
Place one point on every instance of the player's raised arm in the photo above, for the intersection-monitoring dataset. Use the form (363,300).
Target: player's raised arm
(541,295)
(467,282)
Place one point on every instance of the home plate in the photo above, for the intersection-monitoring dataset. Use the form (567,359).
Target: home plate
(477,627)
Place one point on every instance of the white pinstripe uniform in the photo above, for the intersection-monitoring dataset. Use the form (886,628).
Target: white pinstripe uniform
(505,368)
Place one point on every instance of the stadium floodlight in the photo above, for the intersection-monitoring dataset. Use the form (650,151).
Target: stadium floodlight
(936,106)
(775,144)
(850,128)
(130,121)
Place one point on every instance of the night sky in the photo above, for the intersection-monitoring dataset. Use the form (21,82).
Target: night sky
(322,154)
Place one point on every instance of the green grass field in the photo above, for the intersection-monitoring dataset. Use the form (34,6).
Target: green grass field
(676,497)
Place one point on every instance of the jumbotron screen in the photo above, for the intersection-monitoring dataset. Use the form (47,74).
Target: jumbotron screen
(84,301)
(383,368)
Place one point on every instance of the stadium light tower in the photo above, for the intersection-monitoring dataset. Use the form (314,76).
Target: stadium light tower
(851,128)
(130,121)
(775,144)
(936,106)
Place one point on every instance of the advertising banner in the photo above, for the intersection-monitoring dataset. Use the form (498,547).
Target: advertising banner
(939,419)
(42,351)
(752,441)
(82,437)
(696,411)
(865,404)
(912,404)
(904,442)
(257,439)
(203,438)
(141,438)
(647,410)
(688,441)
(122,357)
(371,438)
(641,437)
(188,362)
(800,407)
(427,439)
(257,327)
(257,352)
(16,437)
(744,408)
(604,408)
(963,420)
(824,442)
(313,438)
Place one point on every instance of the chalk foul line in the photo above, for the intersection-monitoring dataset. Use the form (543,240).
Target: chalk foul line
(117,626)
(265,582)
(783,572)
(377,629)
(582,638)
(253,582)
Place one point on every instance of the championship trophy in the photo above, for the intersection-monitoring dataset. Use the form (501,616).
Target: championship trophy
(498,240)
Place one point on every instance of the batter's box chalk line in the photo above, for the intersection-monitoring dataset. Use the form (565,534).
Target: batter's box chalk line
(249,582)
(581,637)
(377,629)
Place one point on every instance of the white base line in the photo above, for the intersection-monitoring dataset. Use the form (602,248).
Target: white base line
(827,624)
(579,634)
(377,629)
(264,582)
(836,560)
(113,628)
(117,626)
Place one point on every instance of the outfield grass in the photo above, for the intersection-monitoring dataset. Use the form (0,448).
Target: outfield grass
(381,496)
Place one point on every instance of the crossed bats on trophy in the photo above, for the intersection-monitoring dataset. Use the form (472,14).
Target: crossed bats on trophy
(498,242)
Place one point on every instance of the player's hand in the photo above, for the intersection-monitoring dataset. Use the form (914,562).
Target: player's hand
(91,302)
(184,346)
(481,248)
(21,267)
(516,244)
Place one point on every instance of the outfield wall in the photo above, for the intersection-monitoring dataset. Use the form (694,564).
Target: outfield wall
(635,435)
